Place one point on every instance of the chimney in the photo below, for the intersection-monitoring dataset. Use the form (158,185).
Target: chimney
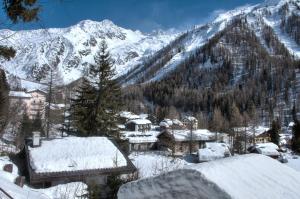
(20,181)
(36,139)
(8,168)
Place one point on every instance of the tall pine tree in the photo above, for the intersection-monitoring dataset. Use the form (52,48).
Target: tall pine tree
(274,131)
(37,124)
(4,100)
(98,99)
(80,109)
(25,130)
(296,131)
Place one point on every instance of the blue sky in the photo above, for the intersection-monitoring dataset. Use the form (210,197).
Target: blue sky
(144,15)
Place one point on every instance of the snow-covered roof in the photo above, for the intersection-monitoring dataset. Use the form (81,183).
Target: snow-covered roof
(129,115)
(19,94)
(190,118)
(57,106)
(140,121)
(36,90)
(213,151)
(199,134)
(252,130)
(75,154)
(291,124)
(140,137)
(169,122)
(143,115)
(30,85)
(247,176)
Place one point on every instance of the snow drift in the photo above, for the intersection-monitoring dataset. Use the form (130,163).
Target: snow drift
(248,176)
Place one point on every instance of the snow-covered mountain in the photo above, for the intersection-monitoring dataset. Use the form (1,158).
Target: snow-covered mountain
(141,57)
(281,17)
(248,56)
(71,49)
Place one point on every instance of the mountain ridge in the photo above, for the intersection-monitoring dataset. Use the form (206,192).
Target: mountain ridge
(71,49)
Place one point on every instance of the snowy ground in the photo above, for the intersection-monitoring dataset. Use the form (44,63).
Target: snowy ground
(72,190)
(293,161)
(155,163)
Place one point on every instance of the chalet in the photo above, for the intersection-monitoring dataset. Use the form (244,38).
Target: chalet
(33,101)
(126,116)
(71,159)
(263,138)
(181,142)
(138,125)
(171,124)
(189,121)
(37,103)
(141,141)
(213,151)
(269,149)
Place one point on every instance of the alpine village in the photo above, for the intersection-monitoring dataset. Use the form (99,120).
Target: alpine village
(95,111)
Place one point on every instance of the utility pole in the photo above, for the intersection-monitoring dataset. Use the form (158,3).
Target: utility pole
(65,125)
(49,104)
(245,138)
(191,136)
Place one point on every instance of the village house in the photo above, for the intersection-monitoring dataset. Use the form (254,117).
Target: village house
(138,125)
(34,101)
(141,141)
(126,116)
(189,122)
(171,124)
(262,138)
(88,159)
(182,142)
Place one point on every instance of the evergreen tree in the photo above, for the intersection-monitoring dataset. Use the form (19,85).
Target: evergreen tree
(37,124)
(81,106)
(108,93)
(274,131)
(4,100)
(96,107)
(296,131)
(26,126)
(18,11)
(25,130)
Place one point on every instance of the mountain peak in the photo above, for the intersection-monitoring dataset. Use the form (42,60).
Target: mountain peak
(103,22)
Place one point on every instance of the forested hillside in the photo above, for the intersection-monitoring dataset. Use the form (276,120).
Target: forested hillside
(246,70)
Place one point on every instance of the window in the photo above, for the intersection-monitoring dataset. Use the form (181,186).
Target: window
(180,147)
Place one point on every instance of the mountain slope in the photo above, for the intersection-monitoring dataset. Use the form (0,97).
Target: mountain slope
(277,19)
(70,50)
(247,62)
